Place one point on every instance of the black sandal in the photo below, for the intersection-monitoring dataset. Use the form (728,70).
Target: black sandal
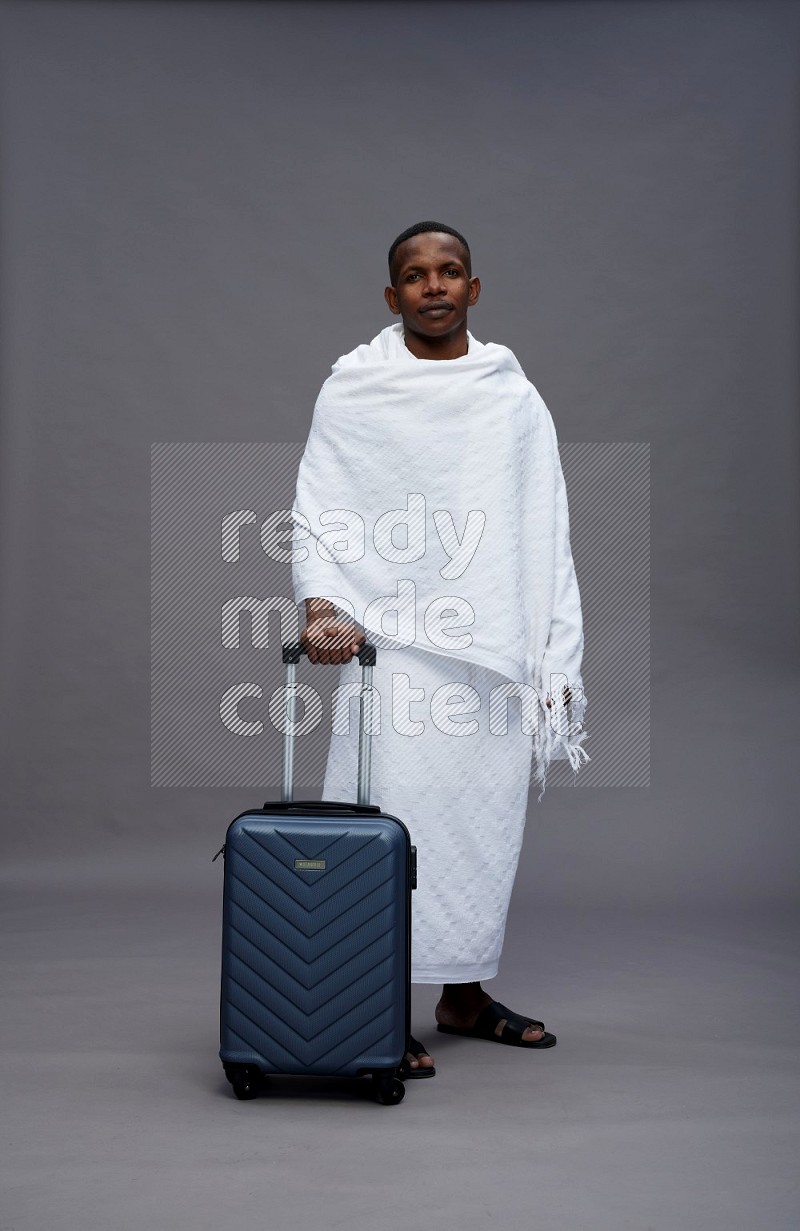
(405,1070)
(486,1024)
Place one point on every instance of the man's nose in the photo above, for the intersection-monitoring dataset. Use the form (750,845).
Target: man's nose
(435,285)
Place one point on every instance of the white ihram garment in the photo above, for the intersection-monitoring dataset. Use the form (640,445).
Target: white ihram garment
(472,443)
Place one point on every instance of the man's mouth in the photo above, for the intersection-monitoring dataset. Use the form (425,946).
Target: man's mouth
(437,307)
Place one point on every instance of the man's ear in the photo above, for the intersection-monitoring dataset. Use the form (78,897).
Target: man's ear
(474,291)
(390,295)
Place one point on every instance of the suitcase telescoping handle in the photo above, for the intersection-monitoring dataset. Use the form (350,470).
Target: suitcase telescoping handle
(367,656)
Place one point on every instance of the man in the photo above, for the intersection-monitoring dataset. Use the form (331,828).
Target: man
(386,411)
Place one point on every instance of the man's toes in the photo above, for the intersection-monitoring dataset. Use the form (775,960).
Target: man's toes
(529,1034)
(423,1061)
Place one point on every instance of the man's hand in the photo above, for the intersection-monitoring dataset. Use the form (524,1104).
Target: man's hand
(328,640)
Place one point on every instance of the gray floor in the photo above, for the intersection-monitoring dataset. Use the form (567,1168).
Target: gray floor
(670,1101)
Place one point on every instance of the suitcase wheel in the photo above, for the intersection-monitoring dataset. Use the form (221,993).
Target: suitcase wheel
(245,1079)
(388,1090)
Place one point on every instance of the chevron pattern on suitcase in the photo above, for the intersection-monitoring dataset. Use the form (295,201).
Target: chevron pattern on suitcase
(314,960)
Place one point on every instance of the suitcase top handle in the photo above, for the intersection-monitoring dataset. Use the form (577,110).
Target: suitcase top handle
(294,650)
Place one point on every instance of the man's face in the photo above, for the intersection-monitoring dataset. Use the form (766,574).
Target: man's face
(432,290)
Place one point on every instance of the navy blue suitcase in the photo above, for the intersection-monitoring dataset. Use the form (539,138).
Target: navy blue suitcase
(316,934)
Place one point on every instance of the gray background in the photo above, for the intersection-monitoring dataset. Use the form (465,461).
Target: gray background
(196,204)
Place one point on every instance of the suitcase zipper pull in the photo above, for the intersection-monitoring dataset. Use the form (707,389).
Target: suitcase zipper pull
(221,851)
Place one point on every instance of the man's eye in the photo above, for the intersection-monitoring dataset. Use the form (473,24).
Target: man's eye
(454,272)
(411,277)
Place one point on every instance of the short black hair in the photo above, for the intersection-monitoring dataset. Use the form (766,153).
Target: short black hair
(422,228)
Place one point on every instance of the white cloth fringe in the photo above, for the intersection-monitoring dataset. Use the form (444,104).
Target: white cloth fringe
(549,744)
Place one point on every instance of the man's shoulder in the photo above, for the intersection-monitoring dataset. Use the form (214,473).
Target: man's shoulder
(383,346)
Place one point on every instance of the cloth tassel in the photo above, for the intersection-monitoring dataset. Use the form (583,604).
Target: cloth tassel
(547,742)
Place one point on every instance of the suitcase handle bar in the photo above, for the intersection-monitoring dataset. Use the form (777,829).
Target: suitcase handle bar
(293,651)
(321,805)
(367,656)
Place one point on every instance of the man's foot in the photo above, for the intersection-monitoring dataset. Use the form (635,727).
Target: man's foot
(416,1062)
(461,1003)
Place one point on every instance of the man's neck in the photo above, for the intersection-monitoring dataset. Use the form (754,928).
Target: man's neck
(454,346)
